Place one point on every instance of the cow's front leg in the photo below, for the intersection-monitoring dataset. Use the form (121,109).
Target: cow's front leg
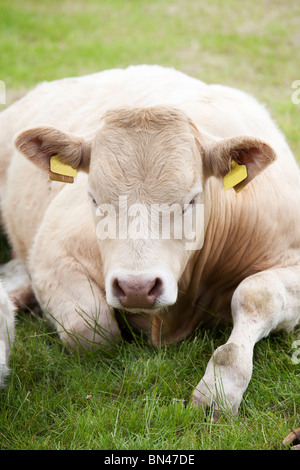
(73,302)
(262,303)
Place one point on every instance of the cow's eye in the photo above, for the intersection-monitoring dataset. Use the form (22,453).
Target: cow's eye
(93,200)
(193,201)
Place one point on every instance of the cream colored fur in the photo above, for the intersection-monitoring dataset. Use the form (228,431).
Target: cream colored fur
(155,135)
(7,333)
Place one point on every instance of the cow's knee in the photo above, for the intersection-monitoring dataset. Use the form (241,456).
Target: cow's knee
(259,297)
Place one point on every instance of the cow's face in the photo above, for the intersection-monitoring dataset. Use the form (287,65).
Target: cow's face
(147,172)
(145,183)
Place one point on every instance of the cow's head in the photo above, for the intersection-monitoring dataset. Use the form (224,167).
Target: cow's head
(147,172)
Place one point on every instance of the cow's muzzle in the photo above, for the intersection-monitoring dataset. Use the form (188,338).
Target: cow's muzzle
(147,292)
(135,292)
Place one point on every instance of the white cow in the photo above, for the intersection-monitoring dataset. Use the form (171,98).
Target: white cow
(152,136)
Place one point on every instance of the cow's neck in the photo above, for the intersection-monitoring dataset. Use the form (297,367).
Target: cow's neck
(236,245)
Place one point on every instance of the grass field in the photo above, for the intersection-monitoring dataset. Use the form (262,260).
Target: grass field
(138,397)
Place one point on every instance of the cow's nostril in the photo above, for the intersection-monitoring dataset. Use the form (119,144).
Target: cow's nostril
(142,291)
(117,289)
(136,291)
(156,290)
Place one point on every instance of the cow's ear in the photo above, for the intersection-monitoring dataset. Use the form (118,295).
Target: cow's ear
(221,157)
(41,143)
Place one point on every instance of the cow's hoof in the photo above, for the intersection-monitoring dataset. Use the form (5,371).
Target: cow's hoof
(212,405)
(293,439)
(211,412)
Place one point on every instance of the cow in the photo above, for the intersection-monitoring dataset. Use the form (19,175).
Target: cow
(7,333)
(76,151)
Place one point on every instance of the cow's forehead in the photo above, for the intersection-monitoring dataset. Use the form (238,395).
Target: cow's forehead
(151,159)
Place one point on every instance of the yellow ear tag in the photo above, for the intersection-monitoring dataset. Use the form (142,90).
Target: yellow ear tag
(64,173)
(237,174)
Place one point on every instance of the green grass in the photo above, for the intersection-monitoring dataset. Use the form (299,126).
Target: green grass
(251,45)
(138,397)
